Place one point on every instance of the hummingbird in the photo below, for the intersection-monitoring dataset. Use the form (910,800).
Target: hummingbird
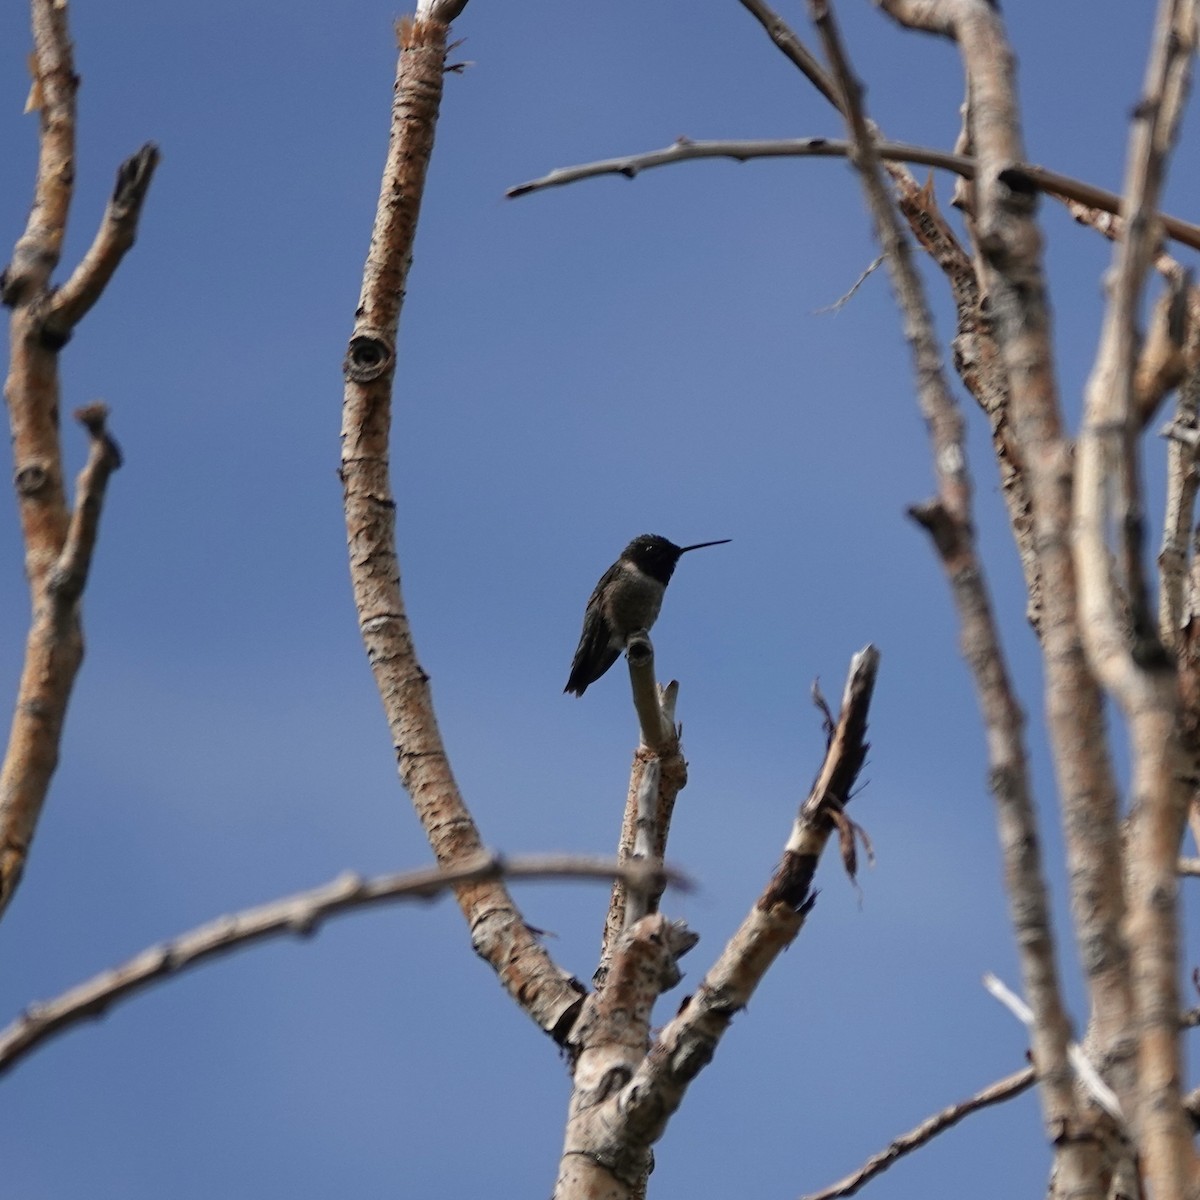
(625,601)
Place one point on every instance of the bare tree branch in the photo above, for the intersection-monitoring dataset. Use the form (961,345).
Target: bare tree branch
(300,915)
(686,150)
(55,84)
(789,42)
(1009,259)
(948,520)
(498,931)
(58,539)
(995,1093)
(658,775)
(115,237)
(608,1042)
(1120,633)
(627,1116)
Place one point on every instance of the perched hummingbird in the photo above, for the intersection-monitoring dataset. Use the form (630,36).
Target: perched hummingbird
(626,600)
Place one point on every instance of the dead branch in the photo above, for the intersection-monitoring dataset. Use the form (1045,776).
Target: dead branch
(658,775)
(1010,262)
(995,1093)
(1029,175)
(301,915)
(631,1111)
(59,538)
(1119,633)
(796,51)
(499,933)
(608,1042)
(948,520)
(114,239)
(976,356)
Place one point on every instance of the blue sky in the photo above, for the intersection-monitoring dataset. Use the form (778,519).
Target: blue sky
(576,368)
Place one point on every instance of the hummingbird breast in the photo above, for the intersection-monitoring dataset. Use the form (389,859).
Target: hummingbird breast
(633,602)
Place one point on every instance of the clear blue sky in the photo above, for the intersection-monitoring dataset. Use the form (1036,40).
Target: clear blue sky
(576,368)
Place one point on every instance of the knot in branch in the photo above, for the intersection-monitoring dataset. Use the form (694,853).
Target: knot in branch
(369,355)
(31,479)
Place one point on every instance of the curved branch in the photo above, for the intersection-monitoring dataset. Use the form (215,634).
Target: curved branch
(300,915)
(686,150)
(498,931)
(995,1093)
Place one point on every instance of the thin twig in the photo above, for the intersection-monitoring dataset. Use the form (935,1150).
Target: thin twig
(995,1093)
(300,915)
(796,51)
(844,299)
(687,150)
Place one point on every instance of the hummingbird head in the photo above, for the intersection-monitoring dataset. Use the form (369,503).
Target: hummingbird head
(658,557)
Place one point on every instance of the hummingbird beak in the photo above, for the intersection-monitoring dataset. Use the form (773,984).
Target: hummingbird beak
(701,545)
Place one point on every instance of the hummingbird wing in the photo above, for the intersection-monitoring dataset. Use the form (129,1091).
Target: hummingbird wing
(595,652)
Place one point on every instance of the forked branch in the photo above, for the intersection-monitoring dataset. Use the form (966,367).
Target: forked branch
(59,537)
(617,1115)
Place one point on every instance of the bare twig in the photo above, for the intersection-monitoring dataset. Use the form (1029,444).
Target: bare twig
(995,1093)
(1089,1078)
(498,931)
(300,915)
(796,51)
(686,150)
(845,298)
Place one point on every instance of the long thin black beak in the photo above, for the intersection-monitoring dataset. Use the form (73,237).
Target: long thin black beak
(701,545)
